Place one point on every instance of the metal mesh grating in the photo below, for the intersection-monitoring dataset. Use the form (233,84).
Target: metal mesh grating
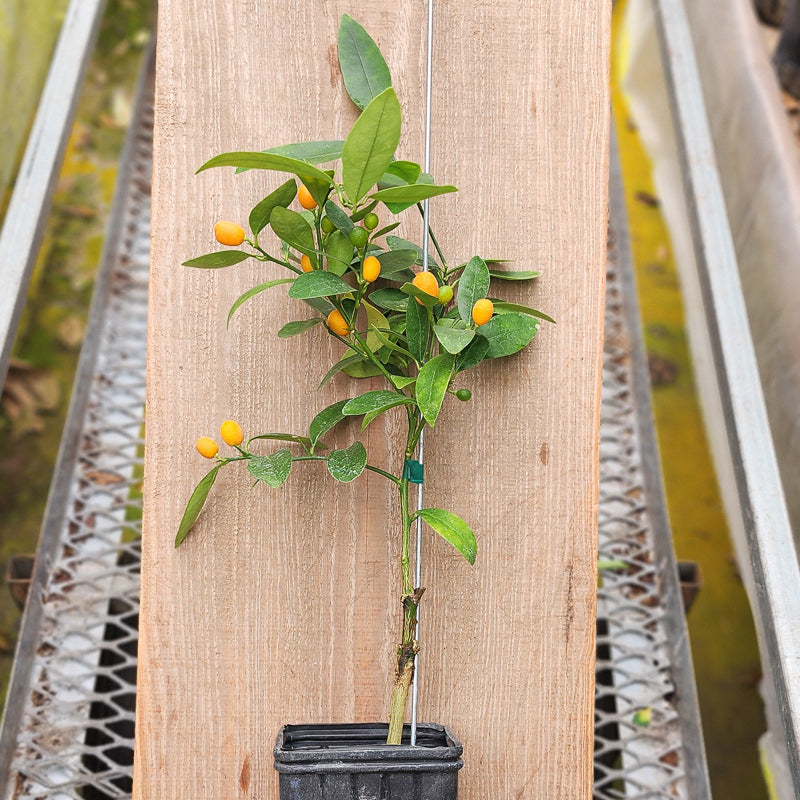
(638,738)
(69,729)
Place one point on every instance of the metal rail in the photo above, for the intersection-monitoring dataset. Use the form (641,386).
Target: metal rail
(766,548)
(31,200)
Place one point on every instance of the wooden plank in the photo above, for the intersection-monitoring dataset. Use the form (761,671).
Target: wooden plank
(282,606)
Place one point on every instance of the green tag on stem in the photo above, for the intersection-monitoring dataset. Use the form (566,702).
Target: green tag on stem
(413,471)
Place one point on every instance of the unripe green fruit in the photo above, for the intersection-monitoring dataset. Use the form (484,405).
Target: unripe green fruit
(358,237)
(445,294)
(327,225)
(464,395)
(371,221)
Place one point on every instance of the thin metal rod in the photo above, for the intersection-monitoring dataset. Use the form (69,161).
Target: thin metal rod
(421,446)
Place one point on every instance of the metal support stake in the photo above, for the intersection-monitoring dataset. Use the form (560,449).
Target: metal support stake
(421,446)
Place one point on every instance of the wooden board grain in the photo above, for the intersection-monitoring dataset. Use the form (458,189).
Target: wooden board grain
(282,605)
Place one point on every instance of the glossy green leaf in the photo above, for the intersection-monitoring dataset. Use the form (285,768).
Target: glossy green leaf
(339,252)
(363,211)
(390,299)
(318,283)
(313,152)
(282,196)
(325,420)
(361,369)
(398,243)
(452,528)
(297,327)
(319,190)
(338,217)
(428,300)
(363,67)
(272,469)
(395,262)
(503,307)
(375,319)
(473,354)
(262,287)
(347,465)
(411,194)
(293,229)
(401,381)
(386,229)
(432,384)
(453,334)
(508,275)
(195,504)
(508,333)
(224,258)
(370,145)
(417,329)
(281,437)
(406,171)
(270,161)
(380,400)
(338,367)
(473,286)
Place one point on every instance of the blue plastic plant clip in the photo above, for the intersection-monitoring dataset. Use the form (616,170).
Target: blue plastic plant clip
(413,471)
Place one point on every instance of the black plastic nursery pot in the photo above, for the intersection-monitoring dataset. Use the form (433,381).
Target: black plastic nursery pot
(353,762)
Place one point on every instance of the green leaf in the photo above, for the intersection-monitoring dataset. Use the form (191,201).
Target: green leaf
(340,366)
(473,354)
(386,229)
(395,262)
(390,299)
(270,161)
(380,400)
(363,67)
(406,171)
(318,283)
(432,384)
(297,327)
(195,504)
(339,251)
(502,306)
(397,243)
(224,258)
(370,145)
(319,190)
(282,196)
(282,437)
(401,381)
(375,319)
(262,287)
(417,329)
(293,229)
(508,333)
(337,216)
(411,194)
(428,300)
(272,469)
(357,216)
(325,420)
(452,528)
(508,275)
(313,152)
(361,369)
(347,465)
(473,286)
(453,334)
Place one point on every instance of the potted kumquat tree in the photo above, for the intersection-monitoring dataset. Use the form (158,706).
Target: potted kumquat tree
(421,331)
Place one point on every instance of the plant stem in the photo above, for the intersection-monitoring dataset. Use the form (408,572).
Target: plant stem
(408,647)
